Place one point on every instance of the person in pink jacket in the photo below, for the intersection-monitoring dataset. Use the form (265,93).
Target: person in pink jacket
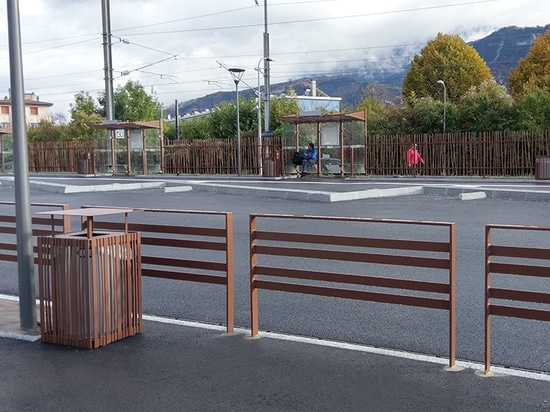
(413,158)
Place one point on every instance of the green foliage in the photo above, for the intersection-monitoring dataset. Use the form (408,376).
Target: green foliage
(169,130)
(46,132)
(84,113)
(283,106)
(198,128)
(534,110)
(223,119)
(446,58)
(83,103)
(376,114)
(487,107)
(424,115)
(533,72)
(133,104)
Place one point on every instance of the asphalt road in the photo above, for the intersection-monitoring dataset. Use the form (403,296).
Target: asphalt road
(515,343)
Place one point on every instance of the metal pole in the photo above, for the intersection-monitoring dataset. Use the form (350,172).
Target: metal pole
(23,222)
(238,131)
(444,107)
(108,69)
(237,74)
(260,160)
(441,82)
(177,114)
(267,86)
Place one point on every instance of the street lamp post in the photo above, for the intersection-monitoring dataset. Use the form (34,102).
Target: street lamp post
(444,103)
(237,74)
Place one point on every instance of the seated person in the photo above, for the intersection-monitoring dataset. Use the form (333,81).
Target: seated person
(310,158)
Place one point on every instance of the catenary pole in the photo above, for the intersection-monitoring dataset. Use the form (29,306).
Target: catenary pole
(267,86)
(23,223)
(108,70)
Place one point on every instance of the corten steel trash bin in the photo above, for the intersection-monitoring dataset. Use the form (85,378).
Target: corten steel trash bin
(85,165)
(542,167)
(90,284)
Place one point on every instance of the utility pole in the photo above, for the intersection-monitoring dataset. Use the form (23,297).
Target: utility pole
(267,86)
(177,114)
(108,69)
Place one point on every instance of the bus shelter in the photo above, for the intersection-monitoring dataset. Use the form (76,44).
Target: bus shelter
(130,148)
(5,131)
(340,139)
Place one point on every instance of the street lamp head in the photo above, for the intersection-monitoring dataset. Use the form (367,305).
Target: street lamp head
(441,82)
(236,73)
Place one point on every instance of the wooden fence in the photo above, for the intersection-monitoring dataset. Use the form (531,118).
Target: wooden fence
(459,154)
(450,154)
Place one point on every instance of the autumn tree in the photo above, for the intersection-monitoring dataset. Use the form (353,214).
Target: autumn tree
(447,58)
(533,72)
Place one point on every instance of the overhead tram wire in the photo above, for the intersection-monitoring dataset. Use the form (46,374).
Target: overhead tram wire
(313,20)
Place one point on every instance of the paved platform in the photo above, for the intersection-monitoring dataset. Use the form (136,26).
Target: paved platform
(178,365)
(10,324)
(190,366)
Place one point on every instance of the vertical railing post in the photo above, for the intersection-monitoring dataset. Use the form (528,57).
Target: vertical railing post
(230,294)
(452,295)
(487,300)
(253,290)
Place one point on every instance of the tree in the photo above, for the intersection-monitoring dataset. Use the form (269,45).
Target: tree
(223,119)
(132,103)
(282,106)
(376,114)
(198,128)
(487,107)
(446,58)
(46,132)
(84,112)
(534,70)
(534,110)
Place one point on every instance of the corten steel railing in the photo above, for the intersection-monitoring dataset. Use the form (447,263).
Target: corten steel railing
(317,239)
(40,226)
(514,260)
(210,245)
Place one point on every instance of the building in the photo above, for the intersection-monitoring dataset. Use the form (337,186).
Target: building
(35,111)
(315,100)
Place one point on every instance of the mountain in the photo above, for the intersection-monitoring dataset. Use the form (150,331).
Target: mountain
(501,50)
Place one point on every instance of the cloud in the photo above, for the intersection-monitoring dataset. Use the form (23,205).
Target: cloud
(172,47)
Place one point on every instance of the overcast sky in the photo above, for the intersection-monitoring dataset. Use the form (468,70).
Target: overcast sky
(173,47)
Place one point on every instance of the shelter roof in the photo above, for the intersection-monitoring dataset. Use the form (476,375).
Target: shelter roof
(325,118)
(127,125)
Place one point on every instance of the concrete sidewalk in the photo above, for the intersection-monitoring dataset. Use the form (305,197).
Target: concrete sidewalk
(177,365)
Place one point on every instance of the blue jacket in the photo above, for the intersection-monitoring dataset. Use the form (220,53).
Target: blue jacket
(310,154)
